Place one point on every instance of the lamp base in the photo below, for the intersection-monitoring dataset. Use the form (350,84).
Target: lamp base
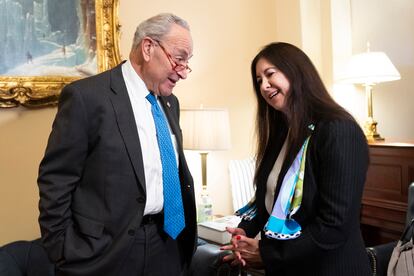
(370,130)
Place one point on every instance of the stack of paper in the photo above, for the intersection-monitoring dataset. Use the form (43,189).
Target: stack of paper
(215,230)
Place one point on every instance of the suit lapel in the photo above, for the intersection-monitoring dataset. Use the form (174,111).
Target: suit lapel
(172,120)
(126,122)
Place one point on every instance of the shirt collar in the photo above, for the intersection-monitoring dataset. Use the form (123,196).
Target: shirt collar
(135,79)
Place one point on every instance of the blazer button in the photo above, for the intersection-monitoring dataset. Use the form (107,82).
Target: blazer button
(140,199)
(131,232)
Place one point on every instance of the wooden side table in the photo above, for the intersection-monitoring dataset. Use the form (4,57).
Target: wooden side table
(384,202)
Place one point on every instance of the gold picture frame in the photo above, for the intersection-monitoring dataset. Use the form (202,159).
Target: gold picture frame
(39,91)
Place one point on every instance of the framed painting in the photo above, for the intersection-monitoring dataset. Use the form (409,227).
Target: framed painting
(47,44)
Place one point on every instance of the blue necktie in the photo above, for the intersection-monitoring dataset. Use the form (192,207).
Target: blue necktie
(173,204)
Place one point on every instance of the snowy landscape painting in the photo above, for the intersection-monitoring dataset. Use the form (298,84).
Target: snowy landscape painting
(48,38)
(47,44)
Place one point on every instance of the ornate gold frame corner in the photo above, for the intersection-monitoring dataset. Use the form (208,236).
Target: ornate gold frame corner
(44,90)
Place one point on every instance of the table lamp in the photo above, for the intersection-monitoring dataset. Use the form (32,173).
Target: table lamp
(368,69)
(205,130)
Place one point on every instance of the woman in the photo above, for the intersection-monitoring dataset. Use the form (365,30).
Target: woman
(312,159)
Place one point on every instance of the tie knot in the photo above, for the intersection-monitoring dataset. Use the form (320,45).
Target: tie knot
(151,98)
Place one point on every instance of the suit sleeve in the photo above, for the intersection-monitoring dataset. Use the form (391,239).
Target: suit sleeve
(252,227)
(61,169)
(341,154)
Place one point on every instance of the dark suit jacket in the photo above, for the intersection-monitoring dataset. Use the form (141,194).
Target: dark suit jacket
(91,179)
(331,242)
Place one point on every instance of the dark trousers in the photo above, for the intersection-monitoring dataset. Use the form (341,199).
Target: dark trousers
(153,253)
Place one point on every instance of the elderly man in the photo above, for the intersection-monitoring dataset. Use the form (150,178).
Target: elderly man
(116,195)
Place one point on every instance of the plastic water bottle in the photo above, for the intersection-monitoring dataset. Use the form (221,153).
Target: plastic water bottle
(204,208)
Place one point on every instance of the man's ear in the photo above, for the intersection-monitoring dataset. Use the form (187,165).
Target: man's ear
(147,48)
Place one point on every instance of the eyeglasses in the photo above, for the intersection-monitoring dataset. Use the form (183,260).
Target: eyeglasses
(177,66)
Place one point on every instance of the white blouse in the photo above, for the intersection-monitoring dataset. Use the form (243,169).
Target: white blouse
(273,178)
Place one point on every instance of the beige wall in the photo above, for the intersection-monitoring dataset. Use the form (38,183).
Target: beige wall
(23,138)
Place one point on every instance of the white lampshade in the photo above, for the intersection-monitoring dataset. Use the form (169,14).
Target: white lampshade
(205,129)
(369,68)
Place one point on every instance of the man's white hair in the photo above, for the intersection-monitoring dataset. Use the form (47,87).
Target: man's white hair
(156,27)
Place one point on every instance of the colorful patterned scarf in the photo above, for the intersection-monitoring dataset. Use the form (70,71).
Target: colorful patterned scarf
(281,225)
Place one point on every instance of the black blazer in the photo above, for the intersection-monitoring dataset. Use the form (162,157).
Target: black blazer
(331,241)
(92,182)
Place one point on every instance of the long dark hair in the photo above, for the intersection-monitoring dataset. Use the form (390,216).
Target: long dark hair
(307,102)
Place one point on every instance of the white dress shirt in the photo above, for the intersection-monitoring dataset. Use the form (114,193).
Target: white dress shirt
(141,107)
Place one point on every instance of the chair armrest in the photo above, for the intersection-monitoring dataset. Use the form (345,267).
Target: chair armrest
(8,265)
(379,257)
(25,258)
(207,261)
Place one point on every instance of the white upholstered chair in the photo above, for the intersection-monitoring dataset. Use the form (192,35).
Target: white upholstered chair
(241,179)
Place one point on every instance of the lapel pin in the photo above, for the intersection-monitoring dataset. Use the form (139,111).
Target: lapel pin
(168,104)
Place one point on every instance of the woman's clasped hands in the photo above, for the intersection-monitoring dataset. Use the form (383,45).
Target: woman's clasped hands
(245,251)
